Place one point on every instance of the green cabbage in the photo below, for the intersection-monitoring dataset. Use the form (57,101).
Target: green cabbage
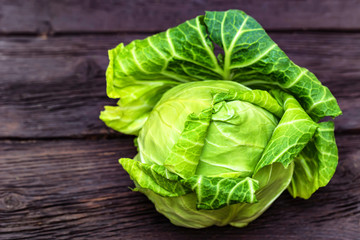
(219,138)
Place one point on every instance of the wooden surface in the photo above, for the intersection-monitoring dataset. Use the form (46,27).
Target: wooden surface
(59,176)
(73,16)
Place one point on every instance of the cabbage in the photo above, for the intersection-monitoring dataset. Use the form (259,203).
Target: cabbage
(219,138)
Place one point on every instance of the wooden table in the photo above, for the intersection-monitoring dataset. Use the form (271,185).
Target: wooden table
(59,176)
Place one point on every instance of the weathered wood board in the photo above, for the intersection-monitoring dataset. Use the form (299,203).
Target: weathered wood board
(72,16)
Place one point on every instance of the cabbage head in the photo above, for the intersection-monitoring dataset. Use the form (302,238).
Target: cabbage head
(219,137)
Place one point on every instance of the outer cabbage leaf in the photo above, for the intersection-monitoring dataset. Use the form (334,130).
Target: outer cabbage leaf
(142,71)
(212,192)
(252,58)
(133,109)
(217,192)
(185,154)
(257,97)
(290,136)
(316,164)
(154,177)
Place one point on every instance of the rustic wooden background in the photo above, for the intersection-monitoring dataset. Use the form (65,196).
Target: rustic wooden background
(59,176)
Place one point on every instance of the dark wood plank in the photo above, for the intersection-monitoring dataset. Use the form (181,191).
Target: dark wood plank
(42,16)
(76,189)
(56,86)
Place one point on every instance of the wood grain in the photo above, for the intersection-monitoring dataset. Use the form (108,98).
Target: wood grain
(62,188)
(49,17)
(59,176)
(56,86)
